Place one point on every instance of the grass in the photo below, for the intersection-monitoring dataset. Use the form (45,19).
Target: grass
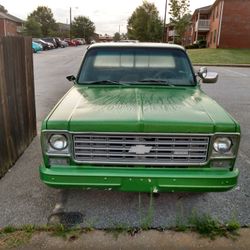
(203,224)
(146,222)
(219,56)
(118,229)
(11,237)
(207,226)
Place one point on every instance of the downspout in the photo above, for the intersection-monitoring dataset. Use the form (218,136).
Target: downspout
(4,27)
(221,15)
(198,21)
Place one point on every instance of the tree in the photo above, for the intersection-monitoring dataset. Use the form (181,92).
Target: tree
(145,24)
(44,16)
(124,36)
(32,28)
(117,37)
(180,16)
(2,9)
(82,27)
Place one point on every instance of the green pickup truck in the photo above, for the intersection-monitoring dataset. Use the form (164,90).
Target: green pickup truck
(137,120)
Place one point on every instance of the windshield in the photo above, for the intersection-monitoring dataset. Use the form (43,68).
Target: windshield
(136,66)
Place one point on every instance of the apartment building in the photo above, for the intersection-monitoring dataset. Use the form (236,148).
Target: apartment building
(225,24)
(10,25)
(170,33)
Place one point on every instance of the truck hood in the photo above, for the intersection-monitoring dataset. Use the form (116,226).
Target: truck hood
(159,109)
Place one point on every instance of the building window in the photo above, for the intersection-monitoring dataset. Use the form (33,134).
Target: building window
(215,36)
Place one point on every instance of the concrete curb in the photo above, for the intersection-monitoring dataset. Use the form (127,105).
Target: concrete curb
(222,65)
(145,240)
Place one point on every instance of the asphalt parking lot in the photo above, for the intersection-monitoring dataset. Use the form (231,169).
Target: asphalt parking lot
(24,199)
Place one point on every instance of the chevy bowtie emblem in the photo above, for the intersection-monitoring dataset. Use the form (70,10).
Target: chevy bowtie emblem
(140,149)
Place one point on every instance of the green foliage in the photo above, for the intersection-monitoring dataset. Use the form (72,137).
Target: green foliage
(145,24)
(117,37)
(83,27)
(11,237)
(117,230)
(44,16)
(2,9)
(124,36)
(9,229)
(205,225)
(180,16)
(146,222)
(178,8)
(180,221)
(59,230)
(202,43)
(192,46)
(32,28)
(220,56)
(62,34)
(233,225)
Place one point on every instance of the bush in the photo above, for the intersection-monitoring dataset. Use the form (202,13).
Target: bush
(202,44)
(193,46)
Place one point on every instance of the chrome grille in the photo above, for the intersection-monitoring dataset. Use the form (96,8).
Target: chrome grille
(140,149)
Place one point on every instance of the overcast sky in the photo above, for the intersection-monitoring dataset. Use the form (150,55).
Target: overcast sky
(107,15)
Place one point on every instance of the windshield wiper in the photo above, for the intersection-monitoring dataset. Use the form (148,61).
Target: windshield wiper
(108,82)
(159,81)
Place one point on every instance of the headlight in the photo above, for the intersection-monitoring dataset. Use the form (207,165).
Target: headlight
(58,142)
(222,145)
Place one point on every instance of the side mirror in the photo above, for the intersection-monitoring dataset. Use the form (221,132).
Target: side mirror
(71,78)
(207,77)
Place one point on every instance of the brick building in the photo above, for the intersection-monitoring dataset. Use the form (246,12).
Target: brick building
(225,24)
(170,33)
(10,25)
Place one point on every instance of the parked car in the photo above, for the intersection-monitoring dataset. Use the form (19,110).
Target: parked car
(137,119)
(77,42)
(51,40)
(61,43)
(65,44)
(129,41)
(70,42)
(36,47)
(81,41)
(45,45)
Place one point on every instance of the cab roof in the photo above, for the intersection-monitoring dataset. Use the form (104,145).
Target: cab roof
(135,45)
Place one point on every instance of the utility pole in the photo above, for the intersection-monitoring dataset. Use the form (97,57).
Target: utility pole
(70,24)
(164,23)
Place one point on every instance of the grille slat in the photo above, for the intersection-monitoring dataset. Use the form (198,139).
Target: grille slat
(79,149)
(140,149)
(145,143)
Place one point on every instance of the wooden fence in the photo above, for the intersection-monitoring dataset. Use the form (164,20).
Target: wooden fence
(17,99)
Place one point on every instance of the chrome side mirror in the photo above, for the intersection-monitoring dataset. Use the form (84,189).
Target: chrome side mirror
(207,77)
